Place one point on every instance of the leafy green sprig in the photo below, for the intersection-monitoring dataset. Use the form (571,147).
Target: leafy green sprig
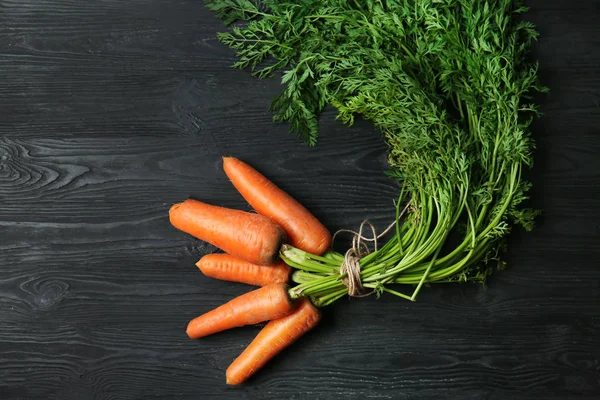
(448,84)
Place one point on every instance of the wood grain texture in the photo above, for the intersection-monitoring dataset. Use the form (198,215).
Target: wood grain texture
(111,111)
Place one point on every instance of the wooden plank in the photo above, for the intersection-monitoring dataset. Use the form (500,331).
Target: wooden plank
(111,111)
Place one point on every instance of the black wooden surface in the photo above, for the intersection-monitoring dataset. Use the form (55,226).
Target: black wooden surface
(110,111)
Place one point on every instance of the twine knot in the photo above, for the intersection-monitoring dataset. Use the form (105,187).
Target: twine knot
(350,268)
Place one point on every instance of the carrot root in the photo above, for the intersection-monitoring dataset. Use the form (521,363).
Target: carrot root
(249,236)
(229,268)
(264,304)
(303,229)
(272,339)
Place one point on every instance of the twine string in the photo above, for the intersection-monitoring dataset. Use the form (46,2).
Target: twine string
(350,268)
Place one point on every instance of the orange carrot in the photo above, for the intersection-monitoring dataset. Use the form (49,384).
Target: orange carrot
(229,268)
(303,229)
(242,234)
(271,340)
(264,304)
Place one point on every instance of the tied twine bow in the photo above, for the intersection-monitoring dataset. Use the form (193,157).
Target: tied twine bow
(350,268)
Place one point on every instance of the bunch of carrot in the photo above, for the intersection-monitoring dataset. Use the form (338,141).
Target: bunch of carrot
(252,242)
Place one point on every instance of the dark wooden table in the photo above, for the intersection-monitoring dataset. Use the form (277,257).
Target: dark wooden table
(110,111)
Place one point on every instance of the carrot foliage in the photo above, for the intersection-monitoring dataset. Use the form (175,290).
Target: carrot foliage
(448,83)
